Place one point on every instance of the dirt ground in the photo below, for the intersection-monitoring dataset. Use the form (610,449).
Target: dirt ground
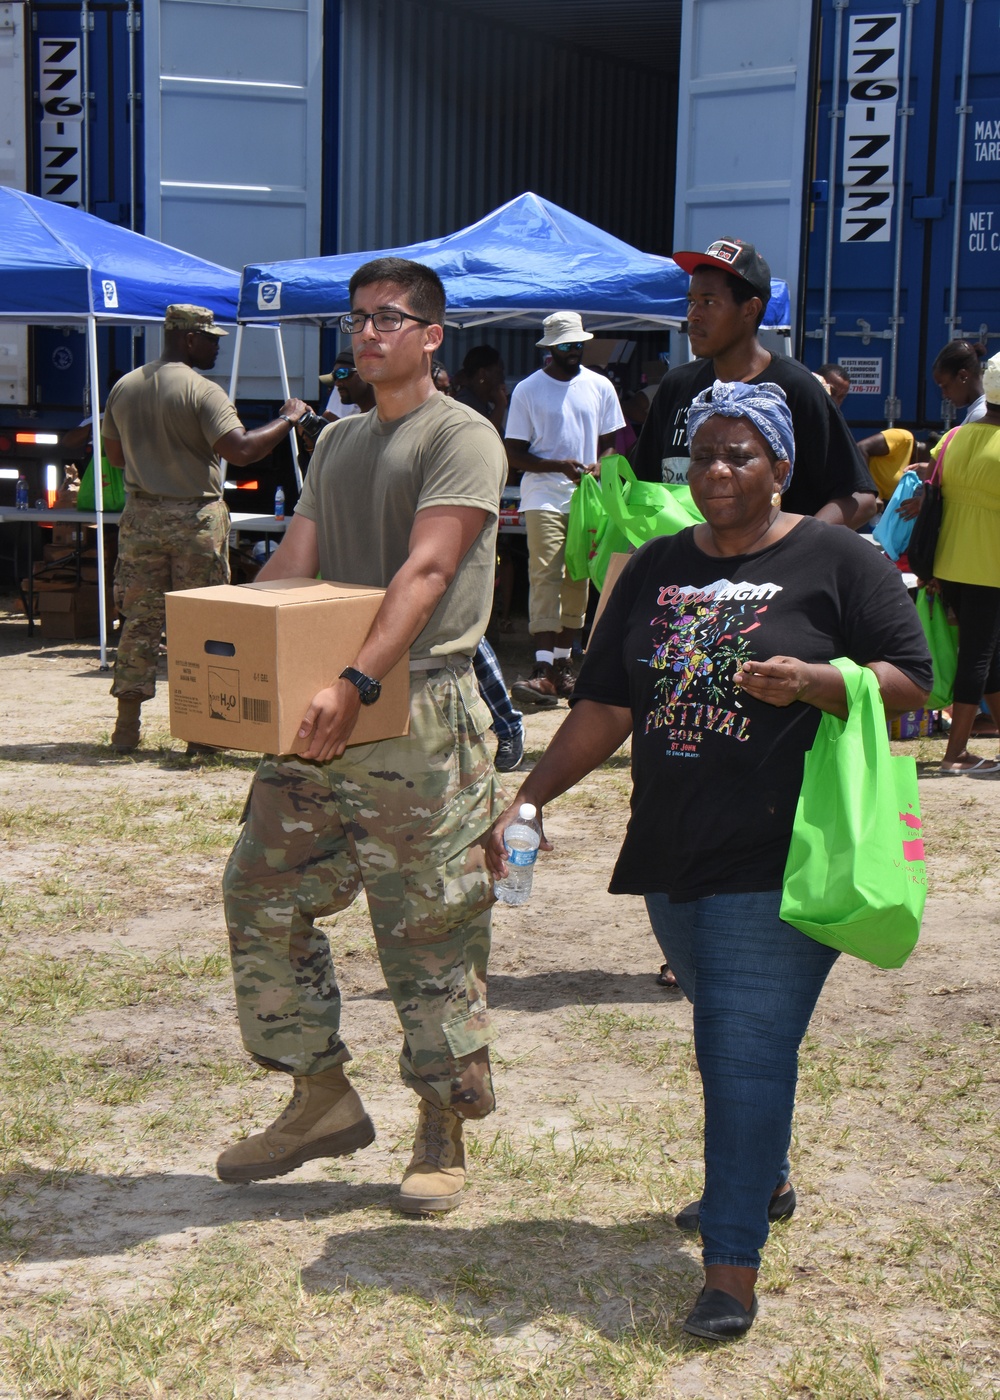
(130,1270)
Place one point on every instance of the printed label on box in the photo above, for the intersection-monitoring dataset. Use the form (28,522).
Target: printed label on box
(224,693)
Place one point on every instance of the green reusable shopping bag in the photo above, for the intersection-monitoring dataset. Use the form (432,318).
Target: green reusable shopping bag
(585,527)
(942,643)
(644,509)
(112,487)
(612,542)
(855,876)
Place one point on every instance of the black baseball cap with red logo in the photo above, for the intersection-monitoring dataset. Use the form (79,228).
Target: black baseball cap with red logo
(735,256)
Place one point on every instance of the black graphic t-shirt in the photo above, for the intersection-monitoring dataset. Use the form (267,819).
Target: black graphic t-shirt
(828,462)
(716,774)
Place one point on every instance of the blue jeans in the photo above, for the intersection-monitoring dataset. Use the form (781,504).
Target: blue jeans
(753,982)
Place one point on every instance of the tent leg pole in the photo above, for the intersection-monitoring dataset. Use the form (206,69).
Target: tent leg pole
(285,389)
(95,429)
(234,376)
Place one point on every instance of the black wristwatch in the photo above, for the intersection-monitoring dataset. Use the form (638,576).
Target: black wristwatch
(368,688)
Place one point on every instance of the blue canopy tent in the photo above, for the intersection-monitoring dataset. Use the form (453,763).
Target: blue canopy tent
(60,266)
(515,266)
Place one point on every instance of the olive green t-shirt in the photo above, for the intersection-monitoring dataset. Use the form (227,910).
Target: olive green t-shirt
(168,419)
(368,479)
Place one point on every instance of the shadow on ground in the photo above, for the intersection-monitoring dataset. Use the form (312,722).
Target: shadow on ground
(599,1273)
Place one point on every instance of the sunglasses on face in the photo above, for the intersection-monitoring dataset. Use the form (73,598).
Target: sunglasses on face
(342,372)
(567,345)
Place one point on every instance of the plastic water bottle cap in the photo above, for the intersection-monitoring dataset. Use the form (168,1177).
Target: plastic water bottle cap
(527,813)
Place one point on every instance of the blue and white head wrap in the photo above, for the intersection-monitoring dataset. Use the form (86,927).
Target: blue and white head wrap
(764,405)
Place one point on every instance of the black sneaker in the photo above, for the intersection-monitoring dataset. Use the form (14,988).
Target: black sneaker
(509,753)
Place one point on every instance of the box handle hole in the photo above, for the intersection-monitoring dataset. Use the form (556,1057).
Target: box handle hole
(220,648)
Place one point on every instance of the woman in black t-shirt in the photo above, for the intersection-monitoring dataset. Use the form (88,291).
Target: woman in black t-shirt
(713,653)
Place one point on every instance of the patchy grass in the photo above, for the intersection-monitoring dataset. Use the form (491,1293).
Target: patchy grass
(129,1271)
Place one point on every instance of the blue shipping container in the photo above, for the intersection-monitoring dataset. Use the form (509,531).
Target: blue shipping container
(903,243)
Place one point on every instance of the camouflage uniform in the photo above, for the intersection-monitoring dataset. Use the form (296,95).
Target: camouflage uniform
(401,819)
(163,544)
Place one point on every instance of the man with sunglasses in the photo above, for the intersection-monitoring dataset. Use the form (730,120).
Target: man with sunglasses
(561,420)
(349,392)
(170,429)
(406,498)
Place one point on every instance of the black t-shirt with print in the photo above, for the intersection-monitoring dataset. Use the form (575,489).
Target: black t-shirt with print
(828,462)
(716,774)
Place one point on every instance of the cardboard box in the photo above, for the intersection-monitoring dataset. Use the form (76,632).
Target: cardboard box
(69,613)
(914,724)
(243,663)
(616,563)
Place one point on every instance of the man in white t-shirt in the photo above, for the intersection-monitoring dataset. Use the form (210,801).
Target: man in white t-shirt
(561,420)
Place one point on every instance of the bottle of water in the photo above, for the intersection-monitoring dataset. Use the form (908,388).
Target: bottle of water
(279,504)
(21,494)
(522,839)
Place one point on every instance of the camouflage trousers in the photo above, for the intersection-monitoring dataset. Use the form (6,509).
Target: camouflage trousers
(402,820)
(162,545)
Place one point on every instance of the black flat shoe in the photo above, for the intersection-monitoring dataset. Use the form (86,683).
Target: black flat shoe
(780,1208)
(719,1316)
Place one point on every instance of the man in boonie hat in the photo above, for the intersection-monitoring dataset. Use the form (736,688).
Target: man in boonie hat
(729,292)
(170,429)
(561,420)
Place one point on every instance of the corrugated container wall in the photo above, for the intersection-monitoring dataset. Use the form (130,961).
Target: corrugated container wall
(445,116)
(904,248)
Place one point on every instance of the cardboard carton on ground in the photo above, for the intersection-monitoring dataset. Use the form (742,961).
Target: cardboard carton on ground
(69,611)
(243,663)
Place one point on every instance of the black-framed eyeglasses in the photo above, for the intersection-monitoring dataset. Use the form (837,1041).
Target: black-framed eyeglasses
(354,322)
(565,345)
(341,372)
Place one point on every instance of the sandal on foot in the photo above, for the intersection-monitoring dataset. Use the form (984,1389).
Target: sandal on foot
(780,1207)
(980,768)
(665,977)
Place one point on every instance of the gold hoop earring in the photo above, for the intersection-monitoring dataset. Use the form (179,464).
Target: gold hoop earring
(776,500)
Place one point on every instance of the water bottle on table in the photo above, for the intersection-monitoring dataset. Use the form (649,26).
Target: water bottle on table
(279,504)
(21,494)
(522,839)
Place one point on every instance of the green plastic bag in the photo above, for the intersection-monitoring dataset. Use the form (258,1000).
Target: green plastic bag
(942,643)
(643,510)
(585,528)
(112,487)
(855,876)
(612,542)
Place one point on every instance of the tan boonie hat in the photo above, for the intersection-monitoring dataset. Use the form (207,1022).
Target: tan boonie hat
(182,317)
(563,326)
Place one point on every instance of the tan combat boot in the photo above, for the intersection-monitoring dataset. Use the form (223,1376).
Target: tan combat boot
(436,1174)
(125,738)
(324,1118)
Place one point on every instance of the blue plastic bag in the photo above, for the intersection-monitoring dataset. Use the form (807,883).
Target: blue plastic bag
(892,531)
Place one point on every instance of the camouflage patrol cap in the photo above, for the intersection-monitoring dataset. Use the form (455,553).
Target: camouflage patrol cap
(183,317)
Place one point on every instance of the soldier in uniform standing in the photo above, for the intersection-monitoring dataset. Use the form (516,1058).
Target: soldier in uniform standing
(169,427)
(407,498)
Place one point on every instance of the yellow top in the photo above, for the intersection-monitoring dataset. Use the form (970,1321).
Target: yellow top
(887,470)
(969,544)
